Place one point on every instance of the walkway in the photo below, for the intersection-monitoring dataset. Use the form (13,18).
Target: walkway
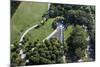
(21,39)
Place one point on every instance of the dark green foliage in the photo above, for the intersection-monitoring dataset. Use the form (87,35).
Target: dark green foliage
(41,53)
(77,43)
(75,14)
(79,52)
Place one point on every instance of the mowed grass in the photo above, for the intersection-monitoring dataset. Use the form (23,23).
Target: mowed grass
(68,32)
(27,15)
(41,32)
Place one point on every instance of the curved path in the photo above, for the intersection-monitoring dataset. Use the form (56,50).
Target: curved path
(21,39)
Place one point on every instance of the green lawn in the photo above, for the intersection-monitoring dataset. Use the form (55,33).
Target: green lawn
(68,31)
(42,32)
(27,15)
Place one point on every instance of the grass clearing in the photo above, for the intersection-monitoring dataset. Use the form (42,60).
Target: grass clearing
(41,32)
(27,15)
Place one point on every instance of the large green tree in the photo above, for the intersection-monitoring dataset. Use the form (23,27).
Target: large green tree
(77,43)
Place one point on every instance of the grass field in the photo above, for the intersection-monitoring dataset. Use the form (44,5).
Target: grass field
(27,15)
(42,32)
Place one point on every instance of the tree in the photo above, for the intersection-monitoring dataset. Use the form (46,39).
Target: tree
(77,43)
(75,14)
(79,52)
